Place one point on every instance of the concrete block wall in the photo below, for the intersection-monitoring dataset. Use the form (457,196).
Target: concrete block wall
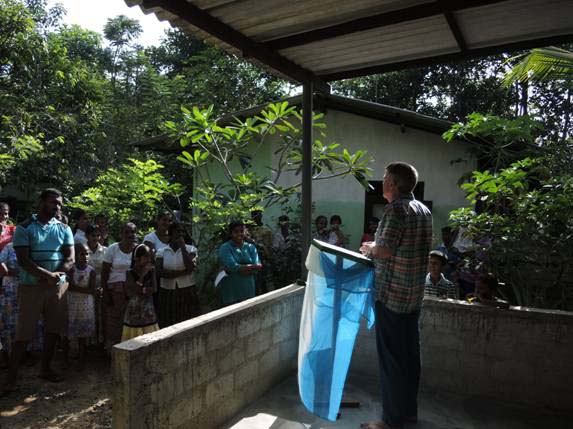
(522,356)
(200,373)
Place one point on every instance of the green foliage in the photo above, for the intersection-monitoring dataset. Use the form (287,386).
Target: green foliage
(230,147)
(542,64)
(498,141)
(453,91)
(50,96)
(210,146)
(449,91)
(525,216)
(134,192)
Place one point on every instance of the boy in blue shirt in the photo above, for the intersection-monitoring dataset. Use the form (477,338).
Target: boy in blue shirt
(45,251)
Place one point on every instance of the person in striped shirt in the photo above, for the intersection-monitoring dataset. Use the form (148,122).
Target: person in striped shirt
(400,254)
(437,285)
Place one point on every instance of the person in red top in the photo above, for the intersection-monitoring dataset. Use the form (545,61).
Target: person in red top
(372,227)
(6,230)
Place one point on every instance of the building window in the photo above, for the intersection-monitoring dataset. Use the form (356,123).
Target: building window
(374,202)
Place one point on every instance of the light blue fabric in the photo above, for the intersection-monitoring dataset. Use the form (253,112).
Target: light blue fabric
(338,295)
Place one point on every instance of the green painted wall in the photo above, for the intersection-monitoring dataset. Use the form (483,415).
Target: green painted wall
(385,142)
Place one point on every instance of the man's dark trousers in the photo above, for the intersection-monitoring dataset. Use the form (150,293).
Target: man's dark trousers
(398,343)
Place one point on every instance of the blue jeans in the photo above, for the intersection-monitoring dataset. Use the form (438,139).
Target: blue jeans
(398,343)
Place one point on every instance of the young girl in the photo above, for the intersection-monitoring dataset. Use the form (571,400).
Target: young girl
(140,284)
(81,307)
(82,221)
(336,236)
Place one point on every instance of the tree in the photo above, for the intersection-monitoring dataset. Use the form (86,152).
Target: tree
(449,91)
(526,232)
(212,76)
(453,91)
(498,142)
(133,192)
(542,64)
(120,31)
(551,70)
(50,102)
(210,147)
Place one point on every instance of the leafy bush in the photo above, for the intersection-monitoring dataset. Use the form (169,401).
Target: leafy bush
(136,191)
(525,216)
(498,141)
(209,145)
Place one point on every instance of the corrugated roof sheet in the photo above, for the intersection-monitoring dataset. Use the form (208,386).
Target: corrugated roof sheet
(316,40)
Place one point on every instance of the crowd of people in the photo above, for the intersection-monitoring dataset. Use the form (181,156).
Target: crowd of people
(72,288)
(75,288)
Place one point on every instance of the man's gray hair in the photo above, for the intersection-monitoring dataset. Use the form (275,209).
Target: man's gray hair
(404,175)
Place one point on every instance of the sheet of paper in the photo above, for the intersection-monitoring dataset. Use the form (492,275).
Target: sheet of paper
(220,276)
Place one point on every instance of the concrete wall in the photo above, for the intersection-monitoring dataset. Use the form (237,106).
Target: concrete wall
(521,356)
(201,372)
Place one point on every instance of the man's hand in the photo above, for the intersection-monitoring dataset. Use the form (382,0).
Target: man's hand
(54,278)
(366,247)
(371,250)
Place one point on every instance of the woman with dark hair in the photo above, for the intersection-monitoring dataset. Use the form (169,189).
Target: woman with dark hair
(175,265)
(6,230)
(82,221)
(322,231)
(159,238)
(241,262)
(372,227)
(116,262)
(140,284)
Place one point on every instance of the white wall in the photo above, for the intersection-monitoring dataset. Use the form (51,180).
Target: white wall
(386,142)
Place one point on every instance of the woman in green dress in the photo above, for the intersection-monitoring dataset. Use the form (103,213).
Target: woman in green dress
(241,263)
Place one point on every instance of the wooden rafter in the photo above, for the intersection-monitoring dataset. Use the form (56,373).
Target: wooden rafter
(249,48)
(412,13)
(454,27)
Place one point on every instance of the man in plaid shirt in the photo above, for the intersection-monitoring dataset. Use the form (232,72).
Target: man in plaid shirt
(400,253)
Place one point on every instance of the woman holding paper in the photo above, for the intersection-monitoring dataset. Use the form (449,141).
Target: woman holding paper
(241,263)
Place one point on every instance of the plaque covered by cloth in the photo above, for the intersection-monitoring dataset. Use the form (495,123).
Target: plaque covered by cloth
(338,295)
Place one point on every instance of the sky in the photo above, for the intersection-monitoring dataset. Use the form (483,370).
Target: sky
(93,14)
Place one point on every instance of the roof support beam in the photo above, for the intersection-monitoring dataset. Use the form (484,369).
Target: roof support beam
(202,20)
(454,27)
(457,56)
(376,21)
(307,113)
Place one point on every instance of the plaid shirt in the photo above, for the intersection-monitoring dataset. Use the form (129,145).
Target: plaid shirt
(406,229)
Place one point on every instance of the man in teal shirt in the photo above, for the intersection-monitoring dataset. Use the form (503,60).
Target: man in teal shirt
(45,251)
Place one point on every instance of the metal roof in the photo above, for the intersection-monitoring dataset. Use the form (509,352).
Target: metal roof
(316,41)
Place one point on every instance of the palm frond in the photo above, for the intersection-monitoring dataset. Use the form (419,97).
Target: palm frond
(542,64)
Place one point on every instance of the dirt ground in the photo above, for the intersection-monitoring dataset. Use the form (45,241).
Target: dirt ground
(83,400)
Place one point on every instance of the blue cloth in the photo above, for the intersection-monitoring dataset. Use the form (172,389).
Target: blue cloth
(45,242)
(338,295)
(398,344)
